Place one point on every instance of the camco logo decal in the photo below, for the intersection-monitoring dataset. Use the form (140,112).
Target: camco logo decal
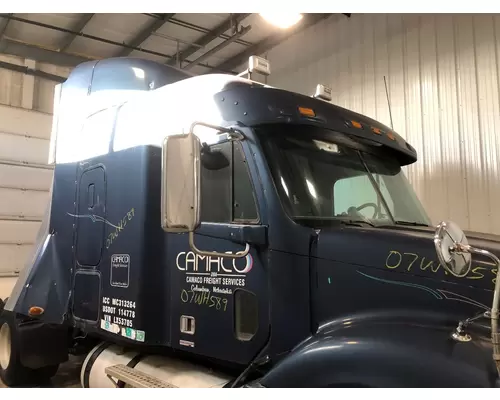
(190,262)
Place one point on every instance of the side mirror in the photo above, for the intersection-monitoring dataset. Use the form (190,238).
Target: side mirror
(180,184)
(453,250)
(454,253)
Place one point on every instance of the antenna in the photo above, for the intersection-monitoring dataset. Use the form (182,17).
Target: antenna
(388,102)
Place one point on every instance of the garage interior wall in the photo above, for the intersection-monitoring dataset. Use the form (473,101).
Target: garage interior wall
(442,73)
(26,104)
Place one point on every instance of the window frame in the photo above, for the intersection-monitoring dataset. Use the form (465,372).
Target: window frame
(244,159)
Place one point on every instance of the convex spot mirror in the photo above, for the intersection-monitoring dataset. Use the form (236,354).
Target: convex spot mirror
(452,249)
(180,186)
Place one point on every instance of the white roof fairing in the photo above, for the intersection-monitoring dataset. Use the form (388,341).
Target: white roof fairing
(85,123)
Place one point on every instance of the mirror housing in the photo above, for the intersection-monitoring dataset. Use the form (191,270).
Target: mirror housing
(180,184)
(452,248)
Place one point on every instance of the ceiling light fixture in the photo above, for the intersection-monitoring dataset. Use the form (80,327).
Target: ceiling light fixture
(282,20)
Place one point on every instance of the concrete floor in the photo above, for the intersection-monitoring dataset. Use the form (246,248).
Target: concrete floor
(68,375)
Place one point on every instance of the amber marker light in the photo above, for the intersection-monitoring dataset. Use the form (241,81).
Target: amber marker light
(35,311)
(307,112)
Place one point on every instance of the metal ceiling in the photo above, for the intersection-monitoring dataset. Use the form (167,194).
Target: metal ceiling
(146,32)
(202,43)
(269,42)
(79,26)
(212,35)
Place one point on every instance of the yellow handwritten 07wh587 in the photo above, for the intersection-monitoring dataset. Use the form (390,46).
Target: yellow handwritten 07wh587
(204,299)
(412,261)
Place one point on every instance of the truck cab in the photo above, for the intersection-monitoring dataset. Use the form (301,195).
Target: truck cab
(243,235)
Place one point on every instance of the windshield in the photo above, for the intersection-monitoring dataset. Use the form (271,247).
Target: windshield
(323,175)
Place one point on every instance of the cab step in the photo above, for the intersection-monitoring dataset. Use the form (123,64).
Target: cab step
(134,378)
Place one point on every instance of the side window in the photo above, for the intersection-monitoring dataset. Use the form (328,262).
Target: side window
(227,192)
(358,190)
(216,188)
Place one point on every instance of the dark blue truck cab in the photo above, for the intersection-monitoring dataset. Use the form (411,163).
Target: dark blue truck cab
(246,236)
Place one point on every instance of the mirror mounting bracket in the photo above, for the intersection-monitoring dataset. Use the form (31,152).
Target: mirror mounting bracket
(232,133)
(239,254)
(180,203)
(460,335)
(451,243)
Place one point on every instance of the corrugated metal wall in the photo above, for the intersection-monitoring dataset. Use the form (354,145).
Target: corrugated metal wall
(33,93)
(26,106)
(443,77)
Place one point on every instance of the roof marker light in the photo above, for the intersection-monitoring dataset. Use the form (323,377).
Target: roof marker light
(376,130)
(323,92)
(258,65)
(391,136)
(356,124)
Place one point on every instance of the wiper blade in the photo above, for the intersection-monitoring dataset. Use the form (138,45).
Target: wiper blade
(356,222)
(409,223)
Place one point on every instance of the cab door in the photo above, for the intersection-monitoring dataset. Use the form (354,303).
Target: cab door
(219,304)
(91,207)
